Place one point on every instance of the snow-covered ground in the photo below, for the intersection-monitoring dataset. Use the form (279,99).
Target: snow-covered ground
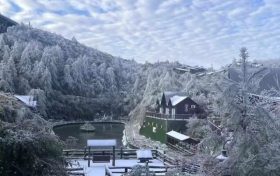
(97,169)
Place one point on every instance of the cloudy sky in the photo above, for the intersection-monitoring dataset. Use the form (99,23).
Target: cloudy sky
(196,32)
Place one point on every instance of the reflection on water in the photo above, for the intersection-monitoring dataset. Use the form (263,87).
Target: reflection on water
(102,131)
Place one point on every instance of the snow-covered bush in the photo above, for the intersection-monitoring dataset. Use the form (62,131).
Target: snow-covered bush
(27,144)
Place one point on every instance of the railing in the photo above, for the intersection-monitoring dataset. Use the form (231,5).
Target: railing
(131,154)
(169,116)
(159,169)
(120,153)
(214,126)
(62,122)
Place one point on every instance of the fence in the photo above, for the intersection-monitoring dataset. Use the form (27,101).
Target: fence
(131,154)
(120,154)
(169,116)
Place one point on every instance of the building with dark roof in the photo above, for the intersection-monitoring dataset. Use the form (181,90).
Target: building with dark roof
(177,105)
(172,114)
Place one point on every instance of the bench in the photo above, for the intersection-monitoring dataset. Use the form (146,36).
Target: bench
(101,158)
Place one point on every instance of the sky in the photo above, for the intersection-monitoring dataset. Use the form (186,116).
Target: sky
(194,32)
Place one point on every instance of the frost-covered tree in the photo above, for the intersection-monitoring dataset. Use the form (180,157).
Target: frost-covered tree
(254,130)
(27,144)
(198,128)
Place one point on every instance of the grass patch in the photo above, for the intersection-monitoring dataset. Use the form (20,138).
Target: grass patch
(154,129)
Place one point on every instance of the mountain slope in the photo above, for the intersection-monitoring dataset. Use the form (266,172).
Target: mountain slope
(69,80)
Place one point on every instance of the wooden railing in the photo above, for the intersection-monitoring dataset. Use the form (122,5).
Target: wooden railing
(131,154)
(119,154)
(169,116)
(125,169)
(213,126)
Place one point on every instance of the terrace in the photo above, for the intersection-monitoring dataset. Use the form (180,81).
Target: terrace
(99,159)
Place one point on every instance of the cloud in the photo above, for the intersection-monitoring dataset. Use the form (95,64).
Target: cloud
(197,32)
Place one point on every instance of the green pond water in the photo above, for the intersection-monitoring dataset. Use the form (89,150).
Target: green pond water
(102,131)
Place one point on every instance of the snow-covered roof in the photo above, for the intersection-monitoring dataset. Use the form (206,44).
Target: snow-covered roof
(182,69)
(169,94)
(27,99)
(177,99)
(221,157)
(266,97)
(144,153)
(210,73)
(201,74)
(101,142)
(176,135)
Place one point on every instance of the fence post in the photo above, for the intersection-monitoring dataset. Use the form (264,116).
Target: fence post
(121,152)
(88,157)
(114,156)
(85,151)
(156,152)
(147,168)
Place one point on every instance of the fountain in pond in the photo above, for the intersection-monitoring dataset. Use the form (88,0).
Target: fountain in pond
(87,127)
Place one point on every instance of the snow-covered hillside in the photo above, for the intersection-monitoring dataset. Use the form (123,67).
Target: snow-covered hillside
(69,80)
(72,81)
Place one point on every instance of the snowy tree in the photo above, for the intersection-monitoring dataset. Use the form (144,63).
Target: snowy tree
(41,99)
(21,131)
(198,128)
(254,130)
(46,80)
(67,76)
(53,59)
(74,39)
(17,50)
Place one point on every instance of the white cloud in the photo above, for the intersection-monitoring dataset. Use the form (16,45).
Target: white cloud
(200,32)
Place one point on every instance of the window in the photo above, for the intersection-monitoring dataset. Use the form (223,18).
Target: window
(186,107)
(154,129)
(193,106)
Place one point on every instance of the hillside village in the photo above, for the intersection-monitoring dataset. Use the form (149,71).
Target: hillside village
(177,119)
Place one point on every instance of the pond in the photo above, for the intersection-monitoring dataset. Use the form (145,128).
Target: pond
(102,131)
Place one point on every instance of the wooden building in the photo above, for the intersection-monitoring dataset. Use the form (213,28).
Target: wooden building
(177,105)
(177,139)
(172,112)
